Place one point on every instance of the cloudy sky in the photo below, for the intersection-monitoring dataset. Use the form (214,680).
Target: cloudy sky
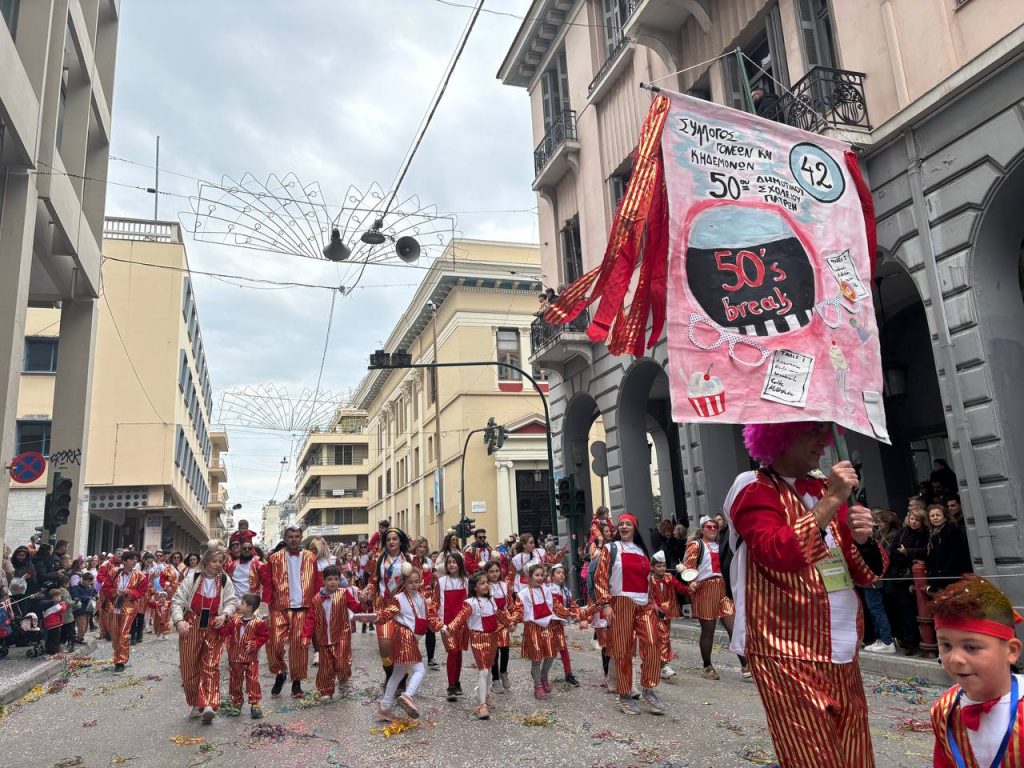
(332,91)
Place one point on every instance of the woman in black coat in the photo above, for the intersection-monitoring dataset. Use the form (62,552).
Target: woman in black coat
(908,545)
(949,557)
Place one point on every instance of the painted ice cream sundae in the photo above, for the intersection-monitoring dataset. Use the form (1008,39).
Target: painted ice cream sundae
(706,393)
(841,367)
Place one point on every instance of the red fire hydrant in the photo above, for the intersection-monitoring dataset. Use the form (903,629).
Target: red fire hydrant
(925,623)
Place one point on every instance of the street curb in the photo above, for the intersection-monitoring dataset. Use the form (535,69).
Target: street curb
(46,671)
(890,666)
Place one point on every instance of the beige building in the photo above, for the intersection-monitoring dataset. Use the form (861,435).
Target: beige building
(332,481)
(476,307)
(929,92)
(156,476)
(56,85)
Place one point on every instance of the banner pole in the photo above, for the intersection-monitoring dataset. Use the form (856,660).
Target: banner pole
(843,453)
(746,81)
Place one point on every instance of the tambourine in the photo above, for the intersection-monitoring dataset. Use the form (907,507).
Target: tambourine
(687,574)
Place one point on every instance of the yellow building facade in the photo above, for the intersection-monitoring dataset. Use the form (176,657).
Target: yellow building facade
(475,304)
(154,475)
(332,480)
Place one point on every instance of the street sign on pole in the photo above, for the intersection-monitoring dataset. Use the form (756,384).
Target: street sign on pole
(27,467)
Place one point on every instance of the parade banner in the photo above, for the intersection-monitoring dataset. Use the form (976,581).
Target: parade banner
(753,243)
(770,313)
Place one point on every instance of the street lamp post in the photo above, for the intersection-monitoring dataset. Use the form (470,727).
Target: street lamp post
(536,386)
(462,488)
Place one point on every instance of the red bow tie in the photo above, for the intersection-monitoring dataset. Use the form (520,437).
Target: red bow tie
(806,486)
(971,714)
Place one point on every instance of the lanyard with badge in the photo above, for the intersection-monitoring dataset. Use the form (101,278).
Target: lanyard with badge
(835,573)
(1001,752)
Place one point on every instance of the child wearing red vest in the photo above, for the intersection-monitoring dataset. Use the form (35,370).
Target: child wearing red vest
(978,722)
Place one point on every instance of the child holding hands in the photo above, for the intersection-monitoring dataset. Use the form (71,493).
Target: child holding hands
(245,634)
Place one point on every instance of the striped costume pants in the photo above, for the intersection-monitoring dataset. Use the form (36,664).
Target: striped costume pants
(665,639)
(286,630)
(245,675)
(335,665)
(817,712)
(199,658)
(634,625)
(120,626)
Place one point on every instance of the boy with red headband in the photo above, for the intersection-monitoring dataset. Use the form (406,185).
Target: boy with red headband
(977,722)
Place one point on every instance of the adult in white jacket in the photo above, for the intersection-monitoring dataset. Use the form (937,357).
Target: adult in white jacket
(200,607)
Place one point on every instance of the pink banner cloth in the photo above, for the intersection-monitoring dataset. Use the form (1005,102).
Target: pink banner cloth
(770,310)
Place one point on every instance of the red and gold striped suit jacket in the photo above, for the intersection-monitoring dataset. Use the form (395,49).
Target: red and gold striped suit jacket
(244,648)
(255,573)
(943,755)
(136,589)
(274,577)
(787,606)
(315,625)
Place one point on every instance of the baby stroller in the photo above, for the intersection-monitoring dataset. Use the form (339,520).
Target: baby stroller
(22,626)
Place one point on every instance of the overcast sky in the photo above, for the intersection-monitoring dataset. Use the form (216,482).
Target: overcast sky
(332,91)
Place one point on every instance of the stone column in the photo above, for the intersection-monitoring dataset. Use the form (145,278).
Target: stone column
(18,198)
(506,498)
(71,400)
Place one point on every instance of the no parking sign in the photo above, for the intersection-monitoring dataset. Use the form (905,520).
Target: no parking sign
(27,467)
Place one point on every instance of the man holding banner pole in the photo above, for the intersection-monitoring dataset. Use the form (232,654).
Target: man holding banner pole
(800,549)
(756,249)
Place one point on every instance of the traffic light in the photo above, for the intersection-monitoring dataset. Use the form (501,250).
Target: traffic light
(579,504)
(465,528)
(566,491)
(47,516)
(490,434)
(62,501)
(499,439)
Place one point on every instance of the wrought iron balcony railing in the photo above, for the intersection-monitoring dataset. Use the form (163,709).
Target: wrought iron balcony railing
(542,332)
(561,130)
(621,42)
(824,98)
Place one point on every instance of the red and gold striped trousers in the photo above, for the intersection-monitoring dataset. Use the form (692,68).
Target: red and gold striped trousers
(286,629)
(634,625)
(199,658)
(664,628)
(335,666)
(245,674)
(120,627)
(817,713)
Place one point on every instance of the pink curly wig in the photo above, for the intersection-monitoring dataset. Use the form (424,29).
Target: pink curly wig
(766,441)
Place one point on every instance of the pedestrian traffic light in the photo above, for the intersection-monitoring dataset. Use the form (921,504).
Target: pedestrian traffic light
(566,491)
(62,501)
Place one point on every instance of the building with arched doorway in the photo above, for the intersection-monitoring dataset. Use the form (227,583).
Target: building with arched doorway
(933,103)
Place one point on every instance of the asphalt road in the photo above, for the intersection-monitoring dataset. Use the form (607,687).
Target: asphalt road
(136,719)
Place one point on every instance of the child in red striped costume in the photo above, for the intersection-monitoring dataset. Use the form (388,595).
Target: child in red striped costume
(410,616)
(503,598)
(561,595)
(329,623)
(245,633)
(978,722)
(536,609)
(482,618)
(450,591)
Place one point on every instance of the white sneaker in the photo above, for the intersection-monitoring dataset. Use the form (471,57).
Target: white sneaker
(194,713)
(667,672)
(208,715)
(880,647)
